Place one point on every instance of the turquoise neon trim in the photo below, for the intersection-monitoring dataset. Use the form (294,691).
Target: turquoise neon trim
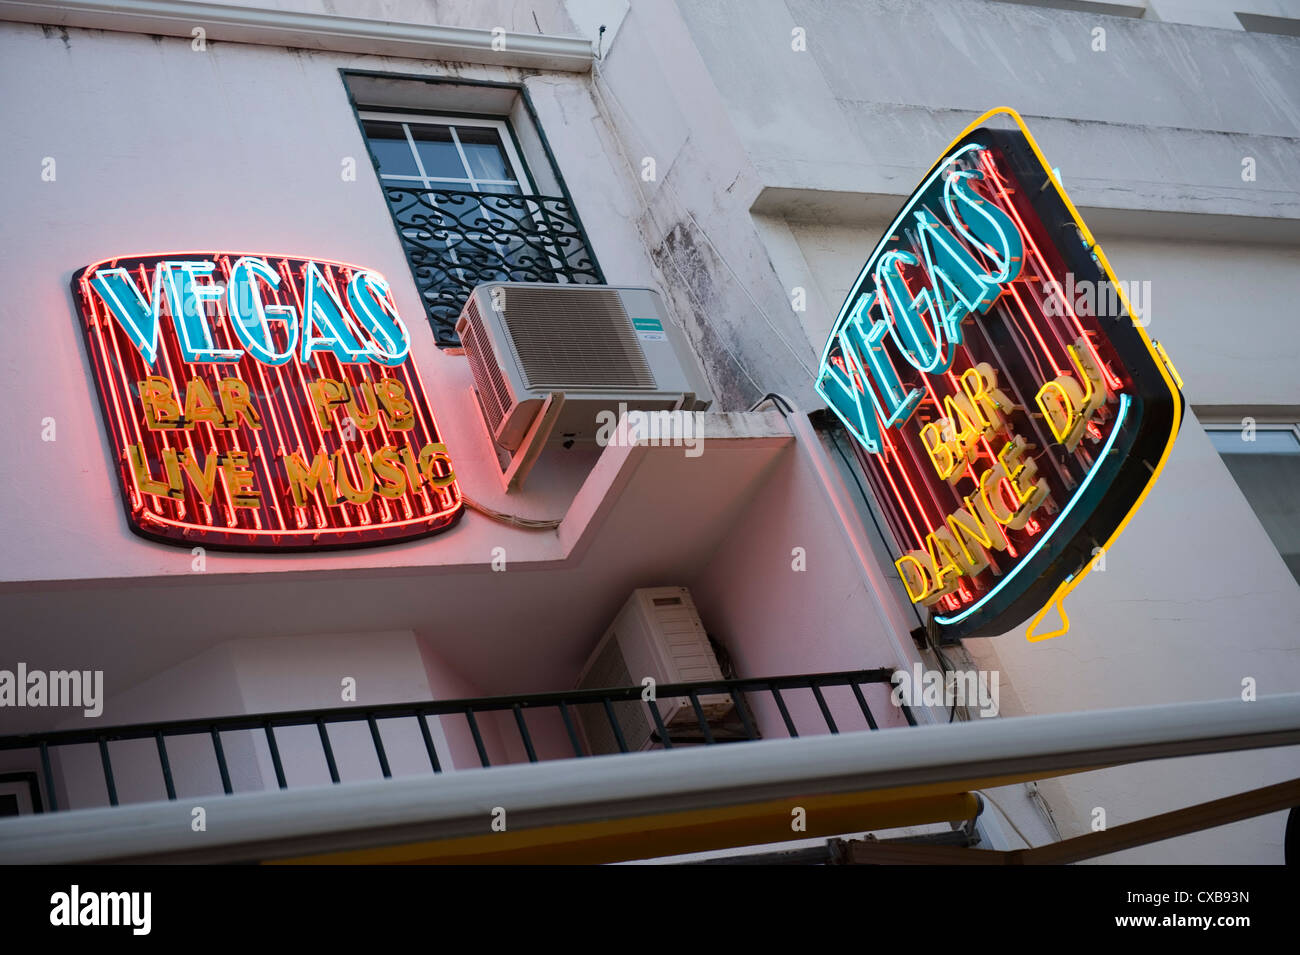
(139,319)
(846,315)
(871,260)
(1096,466)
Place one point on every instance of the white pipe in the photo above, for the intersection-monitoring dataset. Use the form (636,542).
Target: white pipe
(314,31)
(390,812)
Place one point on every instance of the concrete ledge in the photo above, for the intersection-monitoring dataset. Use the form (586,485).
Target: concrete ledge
(875,210)
(310,31)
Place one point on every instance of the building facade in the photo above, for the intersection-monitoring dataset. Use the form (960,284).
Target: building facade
(742,159)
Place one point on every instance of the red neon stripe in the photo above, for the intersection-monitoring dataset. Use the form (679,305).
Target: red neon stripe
(320,443)
(108,382)
(273,418)
(173,374)
(987,160)
(114,363)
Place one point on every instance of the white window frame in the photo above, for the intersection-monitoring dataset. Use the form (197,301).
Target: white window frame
(453,184)
(470,184)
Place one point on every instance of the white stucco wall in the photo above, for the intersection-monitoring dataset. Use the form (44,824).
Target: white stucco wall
(1194,597)
(194,154)
(240,147)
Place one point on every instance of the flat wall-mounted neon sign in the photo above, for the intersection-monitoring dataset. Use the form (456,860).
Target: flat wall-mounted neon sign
(1008,426)
(263,402)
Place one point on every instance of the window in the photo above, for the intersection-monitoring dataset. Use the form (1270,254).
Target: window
(467,211)
(1264,459)
(469,155)
(1258,23)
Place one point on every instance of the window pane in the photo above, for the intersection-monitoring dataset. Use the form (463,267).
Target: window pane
(1258,441)
(437,151)
(505,188)
(483,149)
(1268,472)
(452,185)
(388,143)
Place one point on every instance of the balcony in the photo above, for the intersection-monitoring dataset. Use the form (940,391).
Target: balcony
(455,241)
(300,744)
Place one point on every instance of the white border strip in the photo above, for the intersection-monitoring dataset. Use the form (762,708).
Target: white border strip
(312,31)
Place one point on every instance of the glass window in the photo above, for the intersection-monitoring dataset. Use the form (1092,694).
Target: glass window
(392,150)
(466,212)
(436,148)
(456,155)
(1264,459)
(483,154)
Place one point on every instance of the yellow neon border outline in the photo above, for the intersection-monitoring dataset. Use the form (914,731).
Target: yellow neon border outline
(1162,362)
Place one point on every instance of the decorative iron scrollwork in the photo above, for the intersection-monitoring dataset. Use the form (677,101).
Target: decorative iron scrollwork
(457,240)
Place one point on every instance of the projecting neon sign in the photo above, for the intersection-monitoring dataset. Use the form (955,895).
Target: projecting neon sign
(1008,430)
(277,408)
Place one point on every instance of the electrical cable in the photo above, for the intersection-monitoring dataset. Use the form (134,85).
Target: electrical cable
(947,667)
(783,404)
(1041,802)
(523,523)
(1010,821)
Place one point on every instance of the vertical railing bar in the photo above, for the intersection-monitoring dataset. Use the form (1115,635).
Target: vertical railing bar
(613,721)
(569,728)
(379,746)
(423,720)
(166,765)
(907,714)
(329,751)
(523,732)
(221,761)
(659,724)
(275,755)
(737,690)
(826,711)
(49,778)
(862,704)
(478,738)
(785,714)
(699,716)
(108,771)
(738,697)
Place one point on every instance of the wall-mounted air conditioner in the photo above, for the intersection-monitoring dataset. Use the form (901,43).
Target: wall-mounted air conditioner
(547,359)
(657,634)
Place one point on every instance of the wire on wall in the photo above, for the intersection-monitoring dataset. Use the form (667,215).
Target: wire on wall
(512,520)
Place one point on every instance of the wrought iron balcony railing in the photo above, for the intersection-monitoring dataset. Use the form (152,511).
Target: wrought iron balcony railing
(457,240)
(620,706)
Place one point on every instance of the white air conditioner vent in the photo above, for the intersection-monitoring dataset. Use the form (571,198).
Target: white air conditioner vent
(568,337)
(549,361)
(494,395)
(657,634)
(609,668)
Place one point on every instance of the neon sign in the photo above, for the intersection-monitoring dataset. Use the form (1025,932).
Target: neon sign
(260,402)
(1009,428)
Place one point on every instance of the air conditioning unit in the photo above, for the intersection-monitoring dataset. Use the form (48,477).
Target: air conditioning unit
(657,634)
(547,359)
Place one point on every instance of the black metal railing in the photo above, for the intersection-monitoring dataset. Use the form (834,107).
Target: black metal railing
(739,725)
(457,240)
